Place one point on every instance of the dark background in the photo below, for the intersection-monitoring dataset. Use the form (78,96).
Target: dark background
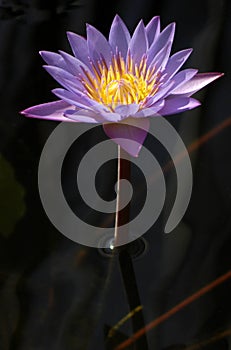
(56,294)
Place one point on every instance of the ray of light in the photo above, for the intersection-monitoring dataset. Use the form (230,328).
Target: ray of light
(211,340)
(174,310)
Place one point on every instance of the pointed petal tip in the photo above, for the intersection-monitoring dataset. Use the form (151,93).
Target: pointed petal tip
(155,17)
(43,54)
(70,33)
(117,18)
(172,27)
(199,81)
(55,90)
(89,26)
(140,24)
(48,68)
(219,74)
(213,75)
(189,50)
(196,103)
(26,112)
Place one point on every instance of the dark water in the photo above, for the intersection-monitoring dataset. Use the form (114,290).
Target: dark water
(56,294)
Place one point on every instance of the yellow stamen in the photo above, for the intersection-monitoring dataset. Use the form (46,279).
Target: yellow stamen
(120,83)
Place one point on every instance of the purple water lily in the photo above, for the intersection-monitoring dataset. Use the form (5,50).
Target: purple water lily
(125,79)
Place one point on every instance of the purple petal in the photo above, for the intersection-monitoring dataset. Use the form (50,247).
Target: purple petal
(130,130)
(98,45)
(119,36)
(110,116)
(196,83)
(139,43)
(53,59)
(82,115)
(153,29)
(150,111)
(98,108)
(175,105)
(176,61)
(102,109)
(71,98)
(79,47)
(85,103)
(161,58)
(127,110)
(161,93)
(74,65)
(64,78)
(182,77)
(165,38)
(51,111)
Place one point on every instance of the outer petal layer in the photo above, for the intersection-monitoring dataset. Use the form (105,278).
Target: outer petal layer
(51,111)
(174,105)
(82,115)
(128,130)
(182,77)
(196,83)
(150,111)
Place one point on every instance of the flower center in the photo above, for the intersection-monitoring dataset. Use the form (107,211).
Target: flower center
(121,83)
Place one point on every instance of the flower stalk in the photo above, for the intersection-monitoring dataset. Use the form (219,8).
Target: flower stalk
(122,215)
(125,260)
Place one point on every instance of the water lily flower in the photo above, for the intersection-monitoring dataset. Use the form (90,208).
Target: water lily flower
(121,82)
